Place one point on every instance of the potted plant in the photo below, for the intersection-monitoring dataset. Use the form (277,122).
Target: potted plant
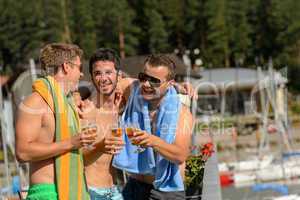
(194,170)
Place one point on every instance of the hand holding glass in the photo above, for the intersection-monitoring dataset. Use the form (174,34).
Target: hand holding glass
(131,129)
(116,131)
(89,127)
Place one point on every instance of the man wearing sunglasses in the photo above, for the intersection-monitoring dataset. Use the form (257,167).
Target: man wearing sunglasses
(104,66)
(153,104)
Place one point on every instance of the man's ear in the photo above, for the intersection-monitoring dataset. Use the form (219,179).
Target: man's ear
(65,68)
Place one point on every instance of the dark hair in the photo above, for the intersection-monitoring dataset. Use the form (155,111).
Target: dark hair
(155,60)
(104,54)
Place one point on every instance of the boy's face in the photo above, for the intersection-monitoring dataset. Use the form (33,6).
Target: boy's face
(104,76)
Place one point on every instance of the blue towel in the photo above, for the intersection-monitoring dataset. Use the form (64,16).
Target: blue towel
(283,189)
(167,174)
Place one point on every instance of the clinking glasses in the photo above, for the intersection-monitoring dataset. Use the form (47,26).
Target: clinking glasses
(154,82)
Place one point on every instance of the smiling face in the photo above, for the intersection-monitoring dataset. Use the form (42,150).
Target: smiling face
(104,76)
(152,74)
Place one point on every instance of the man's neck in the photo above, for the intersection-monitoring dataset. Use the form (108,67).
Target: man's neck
(62,83)
(105,101)
(154,104)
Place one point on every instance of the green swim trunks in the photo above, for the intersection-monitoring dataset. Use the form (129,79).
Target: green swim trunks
(42,192)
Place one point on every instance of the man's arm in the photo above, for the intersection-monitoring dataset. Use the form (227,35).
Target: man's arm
(178,151)
(106,143)
(29,130)
(90,155)
(124,85)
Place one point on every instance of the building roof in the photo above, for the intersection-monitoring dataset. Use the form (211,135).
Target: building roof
(241,78)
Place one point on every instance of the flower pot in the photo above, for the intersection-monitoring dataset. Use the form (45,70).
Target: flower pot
(193,192)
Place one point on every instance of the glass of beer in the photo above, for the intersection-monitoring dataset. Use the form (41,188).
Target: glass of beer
(88,127)
(130,130)
(116,131)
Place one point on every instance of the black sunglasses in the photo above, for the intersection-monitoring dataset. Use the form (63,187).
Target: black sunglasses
(154,82)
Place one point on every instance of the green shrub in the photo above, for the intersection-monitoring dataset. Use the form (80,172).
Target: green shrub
(295,108)
(194,171)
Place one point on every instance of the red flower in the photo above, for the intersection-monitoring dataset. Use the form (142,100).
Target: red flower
(207,149)
(203,152)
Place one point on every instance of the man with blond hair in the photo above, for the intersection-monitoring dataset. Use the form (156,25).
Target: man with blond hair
(48,129)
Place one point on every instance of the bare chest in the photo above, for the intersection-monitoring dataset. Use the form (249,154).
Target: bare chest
(47,128)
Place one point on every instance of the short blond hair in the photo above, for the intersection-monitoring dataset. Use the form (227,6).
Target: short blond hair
(53,55)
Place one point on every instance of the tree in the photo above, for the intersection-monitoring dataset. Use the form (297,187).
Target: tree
(153,36)
(266,24)
(83,25)
(114,20)
(21,31)
(218,35)
(173,14)
(158,36)
(239,30)
(55,17)
(195,27)
(289,34)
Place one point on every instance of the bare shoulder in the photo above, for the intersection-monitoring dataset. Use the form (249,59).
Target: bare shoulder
(185,113)
(33,104)
(185,122)
(30,116)
(125,85)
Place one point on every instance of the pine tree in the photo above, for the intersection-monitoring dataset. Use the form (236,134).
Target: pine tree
(173,14)
(195,28)
(218,35)
(153,36)
(158,36)
(8,32)
(239,30)
(83,27)
(265,21)
(289,34)
(113,23)
(57,25)
(21,31)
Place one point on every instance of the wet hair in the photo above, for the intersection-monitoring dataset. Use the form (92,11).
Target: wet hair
(53,55)
(156,60)
(104,54)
